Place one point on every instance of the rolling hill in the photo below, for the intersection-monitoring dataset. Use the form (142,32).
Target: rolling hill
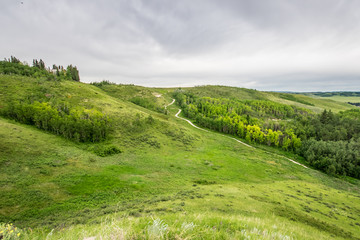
(155,176)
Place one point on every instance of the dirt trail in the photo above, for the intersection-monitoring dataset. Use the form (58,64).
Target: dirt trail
(170,103)
(177,115)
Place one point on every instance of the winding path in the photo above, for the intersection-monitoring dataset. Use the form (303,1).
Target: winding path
(170,103)
(177,115)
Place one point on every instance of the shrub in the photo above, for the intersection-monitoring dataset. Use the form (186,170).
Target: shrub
(104,151)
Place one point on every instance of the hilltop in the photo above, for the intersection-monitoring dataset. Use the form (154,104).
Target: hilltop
(153,175)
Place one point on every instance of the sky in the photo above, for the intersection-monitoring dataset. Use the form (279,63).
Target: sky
(277,45)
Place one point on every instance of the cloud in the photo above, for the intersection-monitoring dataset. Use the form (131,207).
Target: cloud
(268,45)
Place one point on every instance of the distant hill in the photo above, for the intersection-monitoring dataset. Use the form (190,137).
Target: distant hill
(331,94)
(309,102)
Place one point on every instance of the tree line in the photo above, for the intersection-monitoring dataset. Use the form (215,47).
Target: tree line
(38,69)
(243,119)
(80,125)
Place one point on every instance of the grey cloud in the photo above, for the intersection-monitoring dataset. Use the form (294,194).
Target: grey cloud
(269,45)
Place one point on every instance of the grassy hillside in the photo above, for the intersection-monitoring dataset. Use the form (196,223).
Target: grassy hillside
(150,98)
(170,180)
(343,97)
(339,97)
(313,103)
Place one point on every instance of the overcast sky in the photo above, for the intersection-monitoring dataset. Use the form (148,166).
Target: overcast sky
(294,45)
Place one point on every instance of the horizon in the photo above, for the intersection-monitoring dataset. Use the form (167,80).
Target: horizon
(217,85)
(190,86)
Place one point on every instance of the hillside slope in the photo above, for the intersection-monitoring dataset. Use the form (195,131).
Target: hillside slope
(169,181)
(314,104)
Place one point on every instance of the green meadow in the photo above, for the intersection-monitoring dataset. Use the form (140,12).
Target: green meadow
(344,99)
(168,180)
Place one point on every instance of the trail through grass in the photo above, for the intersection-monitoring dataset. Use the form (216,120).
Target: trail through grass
(177,115)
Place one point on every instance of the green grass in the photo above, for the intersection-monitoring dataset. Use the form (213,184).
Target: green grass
(315,104)
(151,98)
(343,99)
(170,180)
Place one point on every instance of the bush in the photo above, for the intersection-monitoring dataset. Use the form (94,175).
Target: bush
(104,151)
(204,182)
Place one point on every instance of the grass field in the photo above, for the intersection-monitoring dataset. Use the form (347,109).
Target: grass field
(343,99)
(171,181)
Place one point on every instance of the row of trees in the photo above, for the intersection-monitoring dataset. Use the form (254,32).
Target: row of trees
(81,125)
(234,117)
(38,69)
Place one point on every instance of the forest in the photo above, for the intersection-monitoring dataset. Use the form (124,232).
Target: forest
(329,142)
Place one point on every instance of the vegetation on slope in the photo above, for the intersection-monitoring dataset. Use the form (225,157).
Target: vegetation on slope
(314,104)
(81,125)
(244,119)
(169,181)
(14,66)
(330,141)
(352,98)
(152,99)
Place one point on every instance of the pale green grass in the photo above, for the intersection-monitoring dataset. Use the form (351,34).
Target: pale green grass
(342,99)
(319,104)
(208,225)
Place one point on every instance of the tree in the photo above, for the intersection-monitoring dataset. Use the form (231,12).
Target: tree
(72,73)
(14,59)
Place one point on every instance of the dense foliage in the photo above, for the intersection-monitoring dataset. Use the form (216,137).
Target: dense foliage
(334,157)
(15,66)
(329,142)
(329,126)
(245,119)
(81,125)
